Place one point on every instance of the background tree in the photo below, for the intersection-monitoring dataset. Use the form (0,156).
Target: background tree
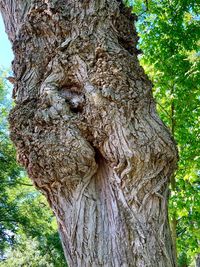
(27,227)
(86,130)
(9,171)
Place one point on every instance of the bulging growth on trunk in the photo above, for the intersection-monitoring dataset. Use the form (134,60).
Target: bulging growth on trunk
(87,132)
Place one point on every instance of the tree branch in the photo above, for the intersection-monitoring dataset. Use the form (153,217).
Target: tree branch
(7,183)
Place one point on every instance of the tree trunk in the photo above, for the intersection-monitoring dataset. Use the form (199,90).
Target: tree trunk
(173,233)
(197,260)
(86,130)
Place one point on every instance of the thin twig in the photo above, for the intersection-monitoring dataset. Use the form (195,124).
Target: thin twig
(164,110)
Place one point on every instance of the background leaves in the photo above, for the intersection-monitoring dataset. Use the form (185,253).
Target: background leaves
(28,230)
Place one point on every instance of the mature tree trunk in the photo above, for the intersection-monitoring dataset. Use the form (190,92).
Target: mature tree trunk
(86,130)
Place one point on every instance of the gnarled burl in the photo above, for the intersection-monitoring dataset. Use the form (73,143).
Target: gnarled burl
(87,132)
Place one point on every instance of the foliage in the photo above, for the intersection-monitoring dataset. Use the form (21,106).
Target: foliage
(10,171)
(170,41)
(26,253)
(26,222)
(29,251)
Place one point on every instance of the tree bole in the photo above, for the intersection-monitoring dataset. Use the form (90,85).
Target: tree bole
(86,130)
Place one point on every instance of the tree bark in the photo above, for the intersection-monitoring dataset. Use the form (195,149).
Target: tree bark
(87,132)
(197,260)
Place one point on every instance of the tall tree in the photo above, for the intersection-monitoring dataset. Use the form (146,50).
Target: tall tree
(87,132)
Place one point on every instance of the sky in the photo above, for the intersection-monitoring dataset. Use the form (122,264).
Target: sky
(6,55)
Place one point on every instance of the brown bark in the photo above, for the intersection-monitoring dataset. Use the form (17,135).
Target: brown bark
(86,130)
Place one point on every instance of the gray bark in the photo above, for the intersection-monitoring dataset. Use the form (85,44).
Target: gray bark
(198,260)
(86,130)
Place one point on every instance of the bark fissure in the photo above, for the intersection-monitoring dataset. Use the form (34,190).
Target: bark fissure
(87,132)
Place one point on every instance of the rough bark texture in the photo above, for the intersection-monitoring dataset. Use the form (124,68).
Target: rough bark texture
(87,132)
